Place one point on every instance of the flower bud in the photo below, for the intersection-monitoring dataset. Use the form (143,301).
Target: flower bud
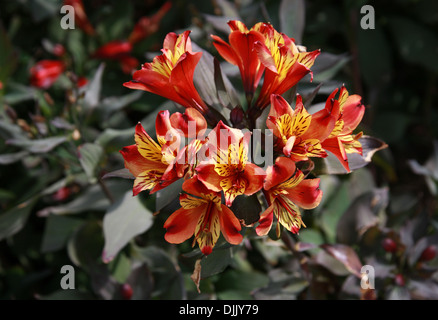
(236,116)
(126,291)
(428,254)
(44,73)
(389,245)
(399,280)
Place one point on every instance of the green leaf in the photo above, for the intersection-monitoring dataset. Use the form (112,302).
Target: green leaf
(361,215)
(65,295)
(168,282)
(327,65)
(205,82)
(346,255)
(12,157)
(168,194)
(124,220)
(292,15)
(13,220)
(85,245)
(416,43)
(38,145)
(375,60)
(216,262)
(236,284)
(282,285)
(110,105)
(8,59)
(19,93)
(42,9)
(120,268)
(247,208)
(90,155)
(91,199)
(57,232)
(119,173)
(92,94)
(142,283)
(333,210)
(221,89)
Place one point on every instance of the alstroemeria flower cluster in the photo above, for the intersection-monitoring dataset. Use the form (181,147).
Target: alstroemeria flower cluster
(215,159)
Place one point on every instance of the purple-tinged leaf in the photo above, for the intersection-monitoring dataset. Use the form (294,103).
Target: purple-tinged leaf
(346,255)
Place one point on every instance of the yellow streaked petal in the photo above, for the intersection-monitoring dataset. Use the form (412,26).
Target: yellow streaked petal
(207,229)
(301,121)
(284,125)
(339,126)
(343,96)
(288,214)
(148,148)
(292,181)
(232,188)
(190,202)
(351,143)
(147,180)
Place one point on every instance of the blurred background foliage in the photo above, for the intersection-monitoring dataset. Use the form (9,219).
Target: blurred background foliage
(60,205)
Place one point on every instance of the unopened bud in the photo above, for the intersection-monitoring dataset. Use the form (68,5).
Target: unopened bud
(236,116)
(428,254)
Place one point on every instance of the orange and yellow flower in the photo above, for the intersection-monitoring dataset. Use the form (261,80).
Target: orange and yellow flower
(290,127)
(145,160)
(285,64)
(337,136)
(203,216)
(155,165)
(228,168)
(170,74)
(286,191)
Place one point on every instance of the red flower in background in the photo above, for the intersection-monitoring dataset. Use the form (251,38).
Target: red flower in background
(170,75)
(286,190)
(45,72)
(203,216)
(81,82)
(148,25)
(113,50)
(81,18)
(118,50)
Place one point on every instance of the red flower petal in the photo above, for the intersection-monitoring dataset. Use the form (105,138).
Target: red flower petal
(181,224)
(282,170)
(209,177)
(335,146)
(352,113)
(191,123)
(230,226)
(306,194)
(265,221)
(255,177)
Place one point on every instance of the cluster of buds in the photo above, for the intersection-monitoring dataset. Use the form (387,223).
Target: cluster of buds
(214,156)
